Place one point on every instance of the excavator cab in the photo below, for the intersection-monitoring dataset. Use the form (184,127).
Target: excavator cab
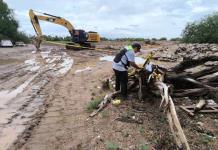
(79,36)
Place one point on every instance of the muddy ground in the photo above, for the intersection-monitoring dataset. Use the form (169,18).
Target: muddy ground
(44,97)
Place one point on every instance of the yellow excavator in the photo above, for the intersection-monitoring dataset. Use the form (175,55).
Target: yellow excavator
(80,38)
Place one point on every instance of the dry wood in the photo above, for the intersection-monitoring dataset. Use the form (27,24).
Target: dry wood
(185,80)
(207,109)
(198,84)
(197,92)
(173,120)
(104,103)
(189,63)
(200,105)
(187,110)
(204,72)
(211,79)
(177,125)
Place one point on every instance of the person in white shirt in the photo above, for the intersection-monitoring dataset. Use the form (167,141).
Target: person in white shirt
(124,59)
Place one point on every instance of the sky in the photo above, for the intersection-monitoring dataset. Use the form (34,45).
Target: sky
(116,18)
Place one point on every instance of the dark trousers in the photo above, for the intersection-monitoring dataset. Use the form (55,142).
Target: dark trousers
(121,81)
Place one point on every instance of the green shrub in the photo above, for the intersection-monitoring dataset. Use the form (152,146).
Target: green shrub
(111,146)
(21,36)
(142,130)
(203,31)
(206,139)
(9,25)
(175,39)
(163,39)
(93,104)
(104,39)
(143,147)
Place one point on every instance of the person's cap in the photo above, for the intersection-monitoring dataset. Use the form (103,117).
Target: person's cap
(136,45)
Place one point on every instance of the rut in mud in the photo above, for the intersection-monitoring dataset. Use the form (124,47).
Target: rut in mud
(22,88)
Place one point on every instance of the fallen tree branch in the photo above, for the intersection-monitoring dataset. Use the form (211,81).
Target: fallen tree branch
(204,72)
(107,99)
(189,63)
(173,120)
(198,92)
(210,79)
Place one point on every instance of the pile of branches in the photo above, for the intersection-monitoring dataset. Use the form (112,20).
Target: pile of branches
(183,51)
(153,82)
(195,76)
(197,73)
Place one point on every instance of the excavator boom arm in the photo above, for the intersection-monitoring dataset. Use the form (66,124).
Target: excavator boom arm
(50,18)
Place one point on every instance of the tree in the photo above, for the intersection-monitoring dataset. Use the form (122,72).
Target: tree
(204,31)
(9,25)
(175,39)
(163,39)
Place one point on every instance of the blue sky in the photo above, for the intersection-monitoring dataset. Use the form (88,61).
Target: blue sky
(116,18)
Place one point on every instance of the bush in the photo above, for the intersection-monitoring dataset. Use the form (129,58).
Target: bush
(163,39)
(3,36)
(111,146)
(21,36)
(9,25)
(57,38)
(147,41)
(175,39)
(93,104)
(143,147)
(104,39)
(204,31)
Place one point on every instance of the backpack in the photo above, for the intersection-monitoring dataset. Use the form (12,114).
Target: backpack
(119,56)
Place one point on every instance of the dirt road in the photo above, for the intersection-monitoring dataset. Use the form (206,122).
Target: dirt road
(23,76)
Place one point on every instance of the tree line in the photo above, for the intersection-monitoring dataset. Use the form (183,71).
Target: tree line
(203,31)
(9,25)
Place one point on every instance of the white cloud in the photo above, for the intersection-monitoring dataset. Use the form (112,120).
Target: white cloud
(104,9)
(193,3)
(117,18)
(200,9)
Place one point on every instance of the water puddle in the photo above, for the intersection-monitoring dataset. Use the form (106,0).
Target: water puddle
(7,95)
(8,134)
(18,106)
(60,62)
(66,65)
(82,70)
(45,54)
(107,58)
(32,65)
(15,117)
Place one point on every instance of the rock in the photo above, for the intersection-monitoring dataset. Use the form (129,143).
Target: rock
(132,147)
(98,139)
(201,115)
(211,102)
(201,124)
